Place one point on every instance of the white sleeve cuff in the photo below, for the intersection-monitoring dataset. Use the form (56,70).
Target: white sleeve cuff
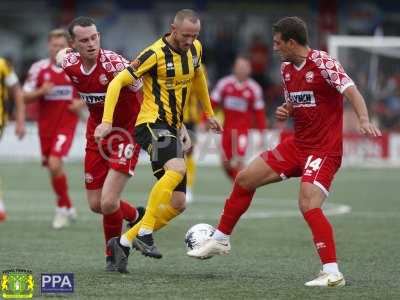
(11,79)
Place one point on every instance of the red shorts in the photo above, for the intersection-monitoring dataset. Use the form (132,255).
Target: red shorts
(288,161)
(121,155)
(57,145)
(234,144)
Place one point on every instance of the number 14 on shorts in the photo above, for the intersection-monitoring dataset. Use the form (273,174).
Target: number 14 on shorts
(312,165)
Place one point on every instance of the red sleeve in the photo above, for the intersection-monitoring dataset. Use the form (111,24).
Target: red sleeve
(332,71)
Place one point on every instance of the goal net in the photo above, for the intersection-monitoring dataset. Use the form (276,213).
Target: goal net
(374,64)
(372,61)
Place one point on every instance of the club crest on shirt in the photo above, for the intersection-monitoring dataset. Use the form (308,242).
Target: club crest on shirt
(195,60)
(103,79)
(246,94)
(309,76)
(287,77)
(46,77)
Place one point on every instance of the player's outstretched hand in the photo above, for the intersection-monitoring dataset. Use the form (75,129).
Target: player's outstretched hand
(101,131)
(20,129)
(213,124)
(185,139)
(283,112)
(60,55)
(46,87)
(367,128)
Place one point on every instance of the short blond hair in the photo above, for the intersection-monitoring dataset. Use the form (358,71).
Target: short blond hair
(58,32)
(186,14)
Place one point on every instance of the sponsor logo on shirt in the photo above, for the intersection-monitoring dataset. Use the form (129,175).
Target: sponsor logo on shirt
(302,99)
(236,103)
(93,98)
(170,66)
(59,93)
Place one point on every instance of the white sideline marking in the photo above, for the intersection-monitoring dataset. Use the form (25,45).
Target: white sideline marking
(281,208)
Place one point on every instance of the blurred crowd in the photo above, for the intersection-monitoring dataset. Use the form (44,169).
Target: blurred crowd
(228,29)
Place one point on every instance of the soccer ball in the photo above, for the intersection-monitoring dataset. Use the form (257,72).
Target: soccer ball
(197,235)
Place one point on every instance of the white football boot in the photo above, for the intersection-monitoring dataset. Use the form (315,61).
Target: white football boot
(61,218)
(209,248)
(327,280)
(72,215)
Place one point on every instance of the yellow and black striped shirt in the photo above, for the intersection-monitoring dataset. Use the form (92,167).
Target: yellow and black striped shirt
(7,79)
(192,109)
(168,77)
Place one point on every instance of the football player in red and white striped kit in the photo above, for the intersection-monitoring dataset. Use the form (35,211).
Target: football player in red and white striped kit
(314,86)
(241,100)
(111,162)
(59,106)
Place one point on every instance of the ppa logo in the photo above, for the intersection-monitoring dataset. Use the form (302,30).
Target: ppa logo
(57,283)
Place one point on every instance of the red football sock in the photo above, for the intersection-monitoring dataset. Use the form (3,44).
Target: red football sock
(129,212)
(112,226)
(322,234)
(235,206)
(60,187)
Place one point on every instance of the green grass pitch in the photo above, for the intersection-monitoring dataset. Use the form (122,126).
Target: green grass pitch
(272,254)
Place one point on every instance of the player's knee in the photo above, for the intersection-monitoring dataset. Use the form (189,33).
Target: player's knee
(108,204)
(95,207)
(244,180)
(176,164)
(305,202)
(55,166)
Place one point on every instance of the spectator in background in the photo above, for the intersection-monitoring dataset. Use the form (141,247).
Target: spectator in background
(259,52)
(388,108)
(224,52)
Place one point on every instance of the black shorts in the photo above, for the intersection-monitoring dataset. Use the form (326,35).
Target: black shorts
(162,143)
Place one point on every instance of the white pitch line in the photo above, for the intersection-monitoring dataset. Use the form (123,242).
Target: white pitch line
(282,208)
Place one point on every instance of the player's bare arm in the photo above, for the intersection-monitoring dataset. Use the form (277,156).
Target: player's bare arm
(360,108)
(20,129)
(76,105)
(185,138)
(46,88)
(114,88)
(61,54)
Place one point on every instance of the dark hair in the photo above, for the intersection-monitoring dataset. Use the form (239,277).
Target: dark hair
(80,21)
(188,14)
(292,28)
(58,32)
